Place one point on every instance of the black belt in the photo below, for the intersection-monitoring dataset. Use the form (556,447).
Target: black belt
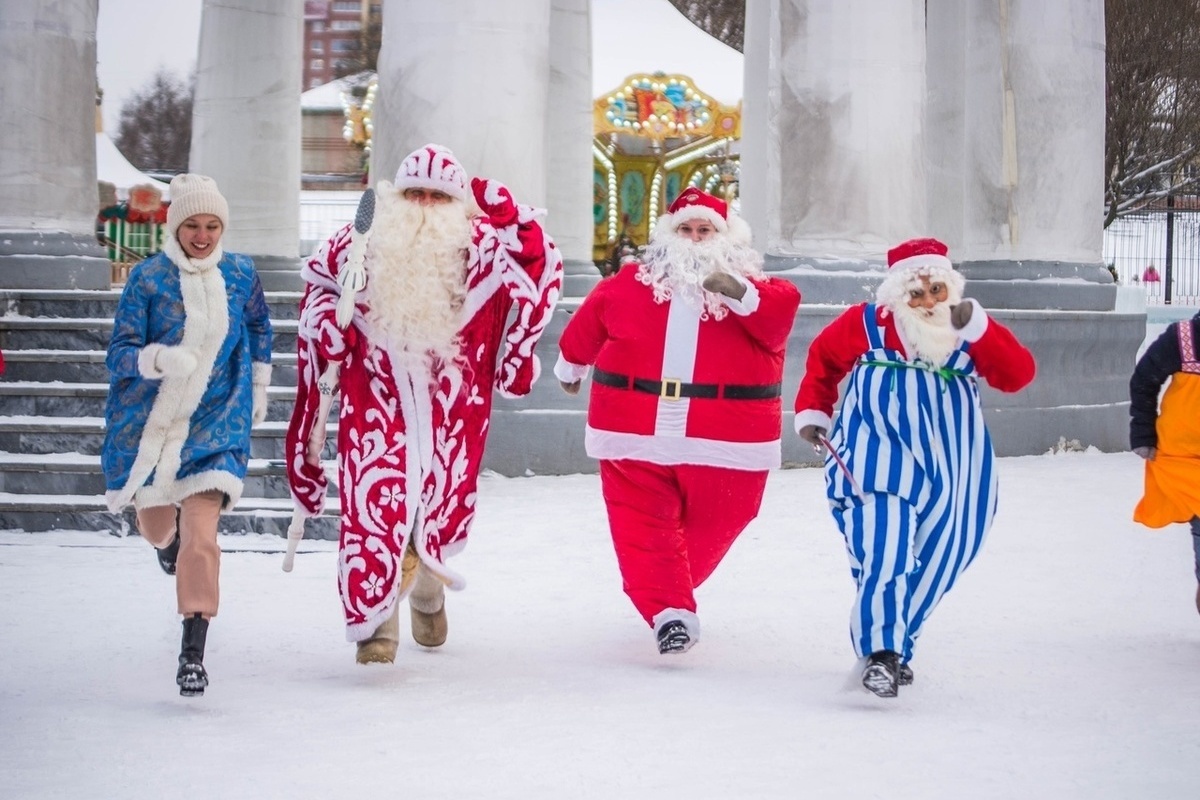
(672,389)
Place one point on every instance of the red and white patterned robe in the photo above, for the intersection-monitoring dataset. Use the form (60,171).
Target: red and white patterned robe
(410,445)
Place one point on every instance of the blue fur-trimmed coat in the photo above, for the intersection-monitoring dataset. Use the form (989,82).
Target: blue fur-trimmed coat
(171,437)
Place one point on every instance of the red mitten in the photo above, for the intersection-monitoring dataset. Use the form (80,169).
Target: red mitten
(495,200)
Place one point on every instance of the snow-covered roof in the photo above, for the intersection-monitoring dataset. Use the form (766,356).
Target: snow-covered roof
(328,96)
(114,168)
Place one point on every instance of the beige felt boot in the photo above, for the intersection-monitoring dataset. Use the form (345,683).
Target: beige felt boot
(381,647)
(428,604)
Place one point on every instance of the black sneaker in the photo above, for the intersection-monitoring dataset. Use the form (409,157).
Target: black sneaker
(673,637)
(905,676)
(167,556)
(881,675)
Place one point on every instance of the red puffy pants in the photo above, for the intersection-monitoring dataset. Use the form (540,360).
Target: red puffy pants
(672,525)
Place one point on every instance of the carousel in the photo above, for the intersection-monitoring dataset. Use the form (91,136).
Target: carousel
(655,135)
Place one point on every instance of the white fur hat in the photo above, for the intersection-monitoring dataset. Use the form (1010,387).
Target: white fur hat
(432,167)
(193,194)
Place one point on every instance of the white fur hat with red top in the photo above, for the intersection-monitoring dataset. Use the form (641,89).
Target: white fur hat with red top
(912,260)
(693,204)
(432,167)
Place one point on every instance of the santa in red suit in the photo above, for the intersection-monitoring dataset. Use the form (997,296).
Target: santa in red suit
(404,319)
(688,348)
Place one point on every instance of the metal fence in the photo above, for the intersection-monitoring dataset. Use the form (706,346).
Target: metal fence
(1158,250)
(322,214)
(1136,246)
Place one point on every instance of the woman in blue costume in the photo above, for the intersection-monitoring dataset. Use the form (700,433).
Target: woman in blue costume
(190,361)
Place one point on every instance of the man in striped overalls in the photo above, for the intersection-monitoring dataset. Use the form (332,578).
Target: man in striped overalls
(909,466)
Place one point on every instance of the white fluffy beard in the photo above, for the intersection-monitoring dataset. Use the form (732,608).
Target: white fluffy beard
(927,332)
(416,286)
(675,266)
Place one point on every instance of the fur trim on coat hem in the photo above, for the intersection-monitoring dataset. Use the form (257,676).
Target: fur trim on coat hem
(261,372)
(171,493)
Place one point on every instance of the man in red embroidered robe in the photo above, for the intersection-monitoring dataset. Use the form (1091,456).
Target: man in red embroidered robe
(403,317)
(684,414)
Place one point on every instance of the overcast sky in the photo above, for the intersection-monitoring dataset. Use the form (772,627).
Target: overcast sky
(134,38)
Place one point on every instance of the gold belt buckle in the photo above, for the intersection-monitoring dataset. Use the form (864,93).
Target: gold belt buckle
(671,389)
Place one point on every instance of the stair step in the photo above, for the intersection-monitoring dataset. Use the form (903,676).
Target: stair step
(88,366)
(44,512)
(79,474)
(103,303)
(93,333)
(62,399)
(41,435)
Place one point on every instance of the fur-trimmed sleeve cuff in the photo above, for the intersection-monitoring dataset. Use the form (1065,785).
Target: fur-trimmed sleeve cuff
(147,359)
(262,373)
(811,416)
(567,372)
(977,325)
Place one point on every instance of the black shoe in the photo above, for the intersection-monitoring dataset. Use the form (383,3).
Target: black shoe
(881,675)
(673,638)
(905,676)
(167,556)
(191,676)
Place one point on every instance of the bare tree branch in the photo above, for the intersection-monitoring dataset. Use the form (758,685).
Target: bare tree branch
(155,128)
(1152,130)
(724,20)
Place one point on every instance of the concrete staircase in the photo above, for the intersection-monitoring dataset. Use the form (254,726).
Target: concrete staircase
(52,397)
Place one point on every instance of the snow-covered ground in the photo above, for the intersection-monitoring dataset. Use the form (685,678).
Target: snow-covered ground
(1064,665)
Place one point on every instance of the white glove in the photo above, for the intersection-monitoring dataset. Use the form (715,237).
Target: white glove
(176,361)
(259,412)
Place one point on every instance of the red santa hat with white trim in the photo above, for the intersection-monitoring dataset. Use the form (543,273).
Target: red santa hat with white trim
(693,204)
(912,260)
(432,166)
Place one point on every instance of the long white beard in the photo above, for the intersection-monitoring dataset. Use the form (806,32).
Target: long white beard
(927,333)
(675,266)
(416,285)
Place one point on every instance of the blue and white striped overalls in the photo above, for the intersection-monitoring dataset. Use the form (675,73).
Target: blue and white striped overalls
(913,437)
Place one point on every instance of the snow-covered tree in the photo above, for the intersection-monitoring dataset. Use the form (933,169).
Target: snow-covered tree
(1152,136)
(155,129)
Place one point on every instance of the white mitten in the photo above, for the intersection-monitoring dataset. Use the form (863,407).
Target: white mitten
(259,412)
(176,361)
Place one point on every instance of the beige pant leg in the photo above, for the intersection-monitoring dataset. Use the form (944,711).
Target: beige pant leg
(157,524)
(429,593)
(198,570)
(390,628)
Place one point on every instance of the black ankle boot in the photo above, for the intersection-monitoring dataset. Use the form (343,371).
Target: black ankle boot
(191,676)
(882,673)
(167,556)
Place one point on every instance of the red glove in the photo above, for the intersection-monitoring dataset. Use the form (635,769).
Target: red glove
(495,200)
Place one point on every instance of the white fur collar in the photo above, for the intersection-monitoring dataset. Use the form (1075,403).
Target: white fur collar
(174,251)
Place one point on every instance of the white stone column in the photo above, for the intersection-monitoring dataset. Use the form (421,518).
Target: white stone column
(472,75)
(1016,143)
(246,127)
(832,171)
(569,142)
(48,193)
